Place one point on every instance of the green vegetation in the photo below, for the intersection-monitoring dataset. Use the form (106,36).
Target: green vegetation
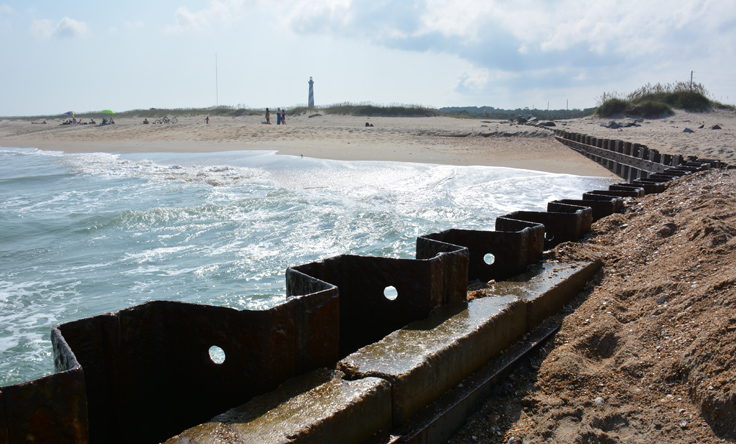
(658,100)
(224,111)
(154,113)
(362,109)
(370,110)
(489,112)
(612,107)
(647,101)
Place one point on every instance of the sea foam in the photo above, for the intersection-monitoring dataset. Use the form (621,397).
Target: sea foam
(84,234)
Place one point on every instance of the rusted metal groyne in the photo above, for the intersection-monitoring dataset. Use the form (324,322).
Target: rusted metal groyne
(144,374)
(634,162)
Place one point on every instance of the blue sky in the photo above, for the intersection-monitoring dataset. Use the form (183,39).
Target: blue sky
(82,55)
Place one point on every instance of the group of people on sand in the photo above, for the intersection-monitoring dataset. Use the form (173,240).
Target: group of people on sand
(75,121)
(280,116)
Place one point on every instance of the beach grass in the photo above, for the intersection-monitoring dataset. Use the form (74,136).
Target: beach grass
(352,109)
(489,112)
(369,110)
(648,101)
(658,100)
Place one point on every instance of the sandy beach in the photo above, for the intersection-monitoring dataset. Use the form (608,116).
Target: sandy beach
(668,134)
(438,140)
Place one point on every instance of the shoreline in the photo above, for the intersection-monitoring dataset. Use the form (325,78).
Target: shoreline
(434,140)
(545,164)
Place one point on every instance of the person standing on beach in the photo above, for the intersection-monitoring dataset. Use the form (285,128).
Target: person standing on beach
(283,116)
(278,116)
(268,117)
(207,120)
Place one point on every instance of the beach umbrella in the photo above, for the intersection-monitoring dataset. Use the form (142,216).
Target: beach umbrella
(107,111)
(69,113)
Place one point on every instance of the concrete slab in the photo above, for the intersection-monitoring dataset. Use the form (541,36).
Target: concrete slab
(317,407)
(547,286)
(436,423)
(428,357)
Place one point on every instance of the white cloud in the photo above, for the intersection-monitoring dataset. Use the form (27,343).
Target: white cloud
(64,28)
(474,80)
(311,16)
(602,27)
(68,27)
(573,41)
(5,9)
(487,82)
(217,12)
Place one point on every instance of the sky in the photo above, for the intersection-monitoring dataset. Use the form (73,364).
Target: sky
(58,56)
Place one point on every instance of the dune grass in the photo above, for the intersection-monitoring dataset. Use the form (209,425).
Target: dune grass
(648,101)
(489,112)
(369,110)
(658,100)
(352,109)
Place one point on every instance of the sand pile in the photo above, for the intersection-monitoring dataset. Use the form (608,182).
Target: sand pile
(649,353)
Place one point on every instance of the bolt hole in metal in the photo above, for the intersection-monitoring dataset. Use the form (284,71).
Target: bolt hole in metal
(390,293)
(549,237)
(489,258)
(217,354)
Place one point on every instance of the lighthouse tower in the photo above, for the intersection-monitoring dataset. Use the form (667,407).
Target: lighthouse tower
(310,101)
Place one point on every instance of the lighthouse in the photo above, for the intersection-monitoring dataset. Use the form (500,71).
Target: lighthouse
(310,100)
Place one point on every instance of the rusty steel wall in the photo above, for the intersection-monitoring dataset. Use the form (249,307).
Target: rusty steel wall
(148,371)
(144,373)
(633,161)
(562,222)
(48,409)
(512,250)
(366,314)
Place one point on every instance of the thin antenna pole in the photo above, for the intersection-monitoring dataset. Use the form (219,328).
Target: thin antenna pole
(691,80)
(217,86)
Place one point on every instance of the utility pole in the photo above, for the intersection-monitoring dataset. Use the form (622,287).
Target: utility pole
(691,80)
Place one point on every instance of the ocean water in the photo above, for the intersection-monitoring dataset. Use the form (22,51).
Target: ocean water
(84,234)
